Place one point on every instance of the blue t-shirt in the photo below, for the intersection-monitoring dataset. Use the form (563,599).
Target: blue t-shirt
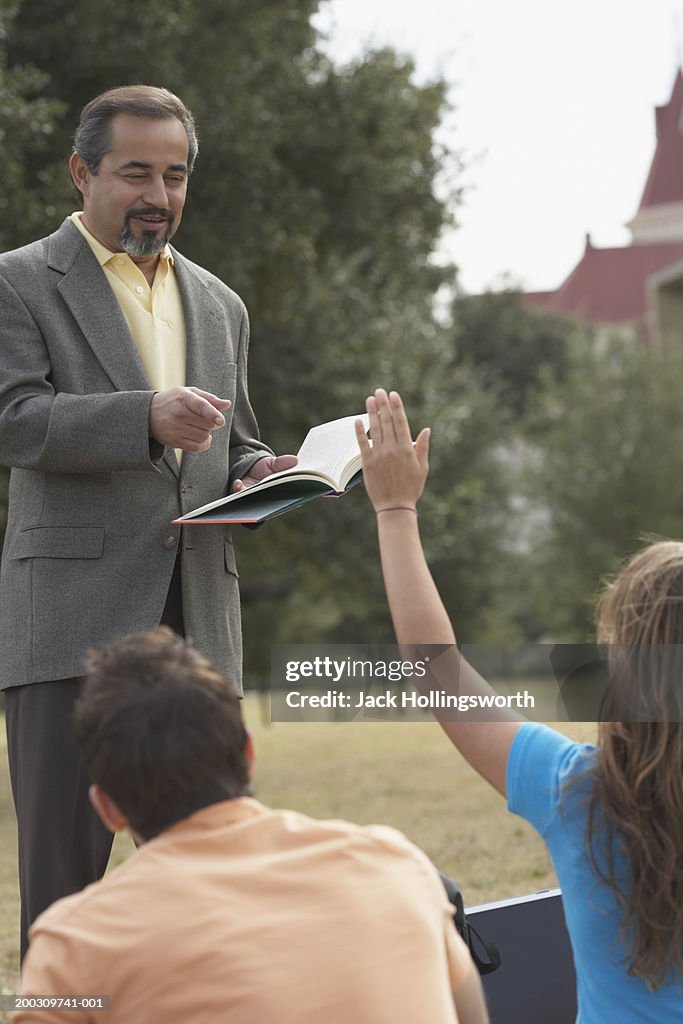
(541,763)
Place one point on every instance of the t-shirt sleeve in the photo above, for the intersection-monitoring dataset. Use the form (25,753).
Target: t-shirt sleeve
(49,970)
(458,957)
(540,763)
(460,963)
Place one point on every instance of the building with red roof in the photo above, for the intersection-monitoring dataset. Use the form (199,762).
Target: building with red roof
(638,286)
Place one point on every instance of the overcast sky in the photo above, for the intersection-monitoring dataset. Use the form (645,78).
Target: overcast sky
(554,113)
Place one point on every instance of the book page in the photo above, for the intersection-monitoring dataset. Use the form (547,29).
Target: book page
(327,450)
(330,446)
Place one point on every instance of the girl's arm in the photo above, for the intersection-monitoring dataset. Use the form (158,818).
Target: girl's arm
(395,472)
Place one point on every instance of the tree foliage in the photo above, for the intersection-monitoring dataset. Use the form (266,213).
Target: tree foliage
(315,197)
(31,185)
(31,188)
(606,474)
(513,346)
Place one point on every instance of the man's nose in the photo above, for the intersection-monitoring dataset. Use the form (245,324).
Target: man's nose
(155,193)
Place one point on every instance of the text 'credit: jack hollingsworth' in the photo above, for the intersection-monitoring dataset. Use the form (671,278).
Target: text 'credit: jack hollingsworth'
(382,682)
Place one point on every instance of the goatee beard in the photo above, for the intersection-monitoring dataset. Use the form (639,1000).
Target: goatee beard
(149,243)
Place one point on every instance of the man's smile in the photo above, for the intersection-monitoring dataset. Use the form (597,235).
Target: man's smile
(151,220)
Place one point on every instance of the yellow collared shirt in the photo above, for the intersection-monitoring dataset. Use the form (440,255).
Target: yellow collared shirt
(154,315)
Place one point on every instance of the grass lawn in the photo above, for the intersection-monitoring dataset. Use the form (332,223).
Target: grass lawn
(403,774)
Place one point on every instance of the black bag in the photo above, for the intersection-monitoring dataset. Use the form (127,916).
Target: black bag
(484,953)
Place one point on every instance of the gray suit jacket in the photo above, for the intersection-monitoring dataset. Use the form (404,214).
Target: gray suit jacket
(90,549)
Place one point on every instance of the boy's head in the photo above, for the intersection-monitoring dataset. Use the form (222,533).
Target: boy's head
(160,731)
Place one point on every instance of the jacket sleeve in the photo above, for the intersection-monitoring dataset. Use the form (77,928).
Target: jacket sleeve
(61,432)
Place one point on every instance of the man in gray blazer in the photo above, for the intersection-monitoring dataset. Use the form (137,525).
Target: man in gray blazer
(123,404)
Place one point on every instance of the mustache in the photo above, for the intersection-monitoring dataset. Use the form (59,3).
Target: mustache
(150,211)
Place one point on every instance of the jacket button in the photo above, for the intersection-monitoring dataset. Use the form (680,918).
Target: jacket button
(170,543)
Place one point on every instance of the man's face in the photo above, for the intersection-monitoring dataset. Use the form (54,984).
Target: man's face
(135,201)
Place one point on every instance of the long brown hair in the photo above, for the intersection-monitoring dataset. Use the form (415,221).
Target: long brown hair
(636,802)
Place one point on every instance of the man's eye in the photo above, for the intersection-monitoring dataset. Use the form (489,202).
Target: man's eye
(135,177)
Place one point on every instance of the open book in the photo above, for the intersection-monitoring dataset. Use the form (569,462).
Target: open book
(329,465)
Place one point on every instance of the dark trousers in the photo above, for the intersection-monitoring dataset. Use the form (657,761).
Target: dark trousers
(63,845)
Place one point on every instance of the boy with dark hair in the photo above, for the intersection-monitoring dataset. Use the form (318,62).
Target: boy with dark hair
(229,910)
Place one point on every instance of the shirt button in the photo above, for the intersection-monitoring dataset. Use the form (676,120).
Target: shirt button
(120,260)
(139,289)
(170,543)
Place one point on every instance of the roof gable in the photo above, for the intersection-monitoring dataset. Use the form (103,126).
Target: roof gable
(609,286)
(665,181)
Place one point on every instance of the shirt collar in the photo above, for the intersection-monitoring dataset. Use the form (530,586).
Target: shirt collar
(225,812)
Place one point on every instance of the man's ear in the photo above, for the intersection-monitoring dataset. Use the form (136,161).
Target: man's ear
(249,752)
(109,812)
(80,173)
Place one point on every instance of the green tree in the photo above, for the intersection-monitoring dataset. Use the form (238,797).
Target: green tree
(314,194)
(519,356)
(315,198)
(606,473)
(32,186)
(513,346)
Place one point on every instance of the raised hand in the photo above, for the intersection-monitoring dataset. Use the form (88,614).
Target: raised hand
(394,470)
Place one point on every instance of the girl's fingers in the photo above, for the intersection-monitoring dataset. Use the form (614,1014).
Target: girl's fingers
(400,420)
(362,439)
(385,415)
(422,448)
(372,407)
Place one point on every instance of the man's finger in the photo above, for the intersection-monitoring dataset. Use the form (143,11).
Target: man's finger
(191,432)
(188,444)
(269,464)
(214,400)
(281,462)
(200,407)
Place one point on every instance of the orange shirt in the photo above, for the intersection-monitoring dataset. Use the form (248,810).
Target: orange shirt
(244,914)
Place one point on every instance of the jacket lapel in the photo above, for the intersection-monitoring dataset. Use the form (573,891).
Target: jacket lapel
(93,305)
(205,329)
